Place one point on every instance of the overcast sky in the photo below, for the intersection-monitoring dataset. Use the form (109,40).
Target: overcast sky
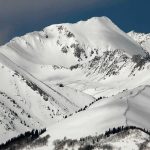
(18,17)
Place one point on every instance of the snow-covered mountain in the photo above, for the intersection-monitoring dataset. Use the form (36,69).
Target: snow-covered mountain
(77,55)
(47,76)
(141,38)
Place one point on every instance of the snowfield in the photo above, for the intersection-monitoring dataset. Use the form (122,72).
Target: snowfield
(74,79)
(129,108)
(27,103)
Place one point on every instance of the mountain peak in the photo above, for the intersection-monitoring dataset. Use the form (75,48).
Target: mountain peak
(103,18)
(49,45)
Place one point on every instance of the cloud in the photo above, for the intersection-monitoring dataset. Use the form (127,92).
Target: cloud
(22,13)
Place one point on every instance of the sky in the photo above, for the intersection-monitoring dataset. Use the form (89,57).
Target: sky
(18,17)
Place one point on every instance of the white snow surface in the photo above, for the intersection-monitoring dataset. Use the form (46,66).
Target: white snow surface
(141,38)
(53,73)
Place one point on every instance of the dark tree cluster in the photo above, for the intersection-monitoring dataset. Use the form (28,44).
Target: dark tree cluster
(140,61)
(85,107)
(69,34)
(82,109)
(122,128)
(36,88)
(61,85)
(22,140)
(42,141)
(99,98)
(74,67)
(95,61)
(65,49)
(78,51)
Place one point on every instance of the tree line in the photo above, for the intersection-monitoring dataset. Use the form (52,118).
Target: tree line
(22,139)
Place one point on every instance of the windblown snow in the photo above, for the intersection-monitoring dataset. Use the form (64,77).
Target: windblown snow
(54,78)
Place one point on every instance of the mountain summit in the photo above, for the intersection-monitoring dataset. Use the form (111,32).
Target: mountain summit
(70,42)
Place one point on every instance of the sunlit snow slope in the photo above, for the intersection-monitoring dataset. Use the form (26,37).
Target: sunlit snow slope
(77,55)
(49,75)
(26,103)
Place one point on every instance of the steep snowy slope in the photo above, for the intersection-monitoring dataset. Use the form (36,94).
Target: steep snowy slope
(78,55)
(26,103)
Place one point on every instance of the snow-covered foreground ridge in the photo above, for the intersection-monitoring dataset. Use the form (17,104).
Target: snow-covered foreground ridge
(116,138)
(48,76)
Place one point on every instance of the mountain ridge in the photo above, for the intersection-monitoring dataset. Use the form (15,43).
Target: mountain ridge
(54,78)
